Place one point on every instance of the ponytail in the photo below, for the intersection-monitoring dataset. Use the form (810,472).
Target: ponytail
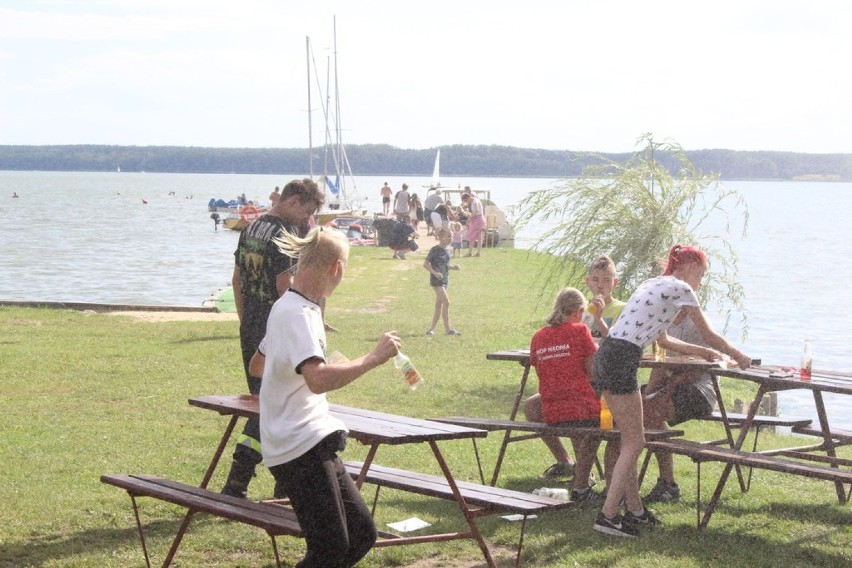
(683,254)
(321,246)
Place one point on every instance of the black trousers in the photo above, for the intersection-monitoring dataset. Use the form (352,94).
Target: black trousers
(338,527)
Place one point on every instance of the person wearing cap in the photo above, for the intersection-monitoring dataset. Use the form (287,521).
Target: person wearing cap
(429,205)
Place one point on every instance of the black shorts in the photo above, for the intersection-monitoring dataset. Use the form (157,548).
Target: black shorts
(385,199)
(690,402)
(616,367)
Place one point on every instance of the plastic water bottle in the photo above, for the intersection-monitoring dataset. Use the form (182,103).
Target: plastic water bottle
(807,362)
(606,415)
(409,374)
(553,493)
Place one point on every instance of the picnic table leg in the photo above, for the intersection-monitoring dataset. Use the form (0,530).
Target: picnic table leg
(178,538)
(469,517)
(716,494)
(828,442)
(727,426)
(223,443)
(139,528)
(508,434)
(362,475)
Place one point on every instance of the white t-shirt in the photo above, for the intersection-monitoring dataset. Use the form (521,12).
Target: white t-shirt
(292,418)
(651,309)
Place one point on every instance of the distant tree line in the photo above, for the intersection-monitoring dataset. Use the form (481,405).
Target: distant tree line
(381,159)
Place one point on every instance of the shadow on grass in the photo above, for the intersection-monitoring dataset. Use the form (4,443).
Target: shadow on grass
(47,549)
(557,535)
(190,340)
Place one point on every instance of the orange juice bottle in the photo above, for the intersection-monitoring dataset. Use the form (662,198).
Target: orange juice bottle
(606,415)
(409,374)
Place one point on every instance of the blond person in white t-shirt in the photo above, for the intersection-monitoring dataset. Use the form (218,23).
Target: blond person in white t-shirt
(300,437)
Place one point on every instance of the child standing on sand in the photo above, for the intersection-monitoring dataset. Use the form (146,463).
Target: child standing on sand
(438,264)
(457,238)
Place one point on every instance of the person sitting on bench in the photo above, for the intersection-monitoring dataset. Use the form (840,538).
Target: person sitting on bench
(672,398)
(562,354)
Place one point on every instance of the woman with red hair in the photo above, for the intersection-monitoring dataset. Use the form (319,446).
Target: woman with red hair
(645,318)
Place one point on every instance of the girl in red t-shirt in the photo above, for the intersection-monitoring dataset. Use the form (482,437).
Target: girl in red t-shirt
(562,355)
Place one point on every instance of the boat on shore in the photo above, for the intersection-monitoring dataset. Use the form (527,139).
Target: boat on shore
(497,227)
(239,219)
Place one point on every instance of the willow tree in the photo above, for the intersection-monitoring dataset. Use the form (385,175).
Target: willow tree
(634,212)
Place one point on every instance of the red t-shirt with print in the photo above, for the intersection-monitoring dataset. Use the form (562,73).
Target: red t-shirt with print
(558,353)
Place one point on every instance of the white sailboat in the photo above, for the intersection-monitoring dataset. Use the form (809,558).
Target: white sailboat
(497,227)
(342,198)
(436,173)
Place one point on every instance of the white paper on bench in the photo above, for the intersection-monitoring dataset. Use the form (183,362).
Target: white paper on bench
(409,525)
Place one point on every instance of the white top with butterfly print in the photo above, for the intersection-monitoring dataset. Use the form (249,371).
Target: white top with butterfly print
(651,309)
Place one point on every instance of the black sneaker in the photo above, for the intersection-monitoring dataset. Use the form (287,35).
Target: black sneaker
(587,496)
(647,518)
(234,491)
(663,492)
(615,526)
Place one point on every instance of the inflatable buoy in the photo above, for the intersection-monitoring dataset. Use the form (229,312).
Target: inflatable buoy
(249,213)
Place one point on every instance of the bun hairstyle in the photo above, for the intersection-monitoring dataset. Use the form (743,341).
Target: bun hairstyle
(320,247)
(567,302)
(683,254)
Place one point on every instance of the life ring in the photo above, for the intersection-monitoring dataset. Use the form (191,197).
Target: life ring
(249,213)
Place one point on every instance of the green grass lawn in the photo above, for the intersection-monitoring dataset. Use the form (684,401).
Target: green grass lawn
(85,394)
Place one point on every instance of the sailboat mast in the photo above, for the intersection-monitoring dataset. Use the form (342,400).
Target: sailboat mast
(339,127)
(310,126)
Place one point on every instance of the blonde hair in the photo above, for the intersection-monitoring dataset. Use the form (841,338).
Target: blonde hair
(442,231)
(568,301)
(320,248)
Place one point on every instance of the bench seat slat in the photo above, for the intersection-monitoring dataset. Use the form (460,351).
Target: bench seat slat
(702,452)
(495,424)
(483,496)
(274,519)
(737,419)
(843,436)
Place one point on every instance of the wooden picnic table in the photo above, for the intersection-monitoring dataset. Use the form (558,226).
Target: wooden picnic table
(377,428)
(820,382)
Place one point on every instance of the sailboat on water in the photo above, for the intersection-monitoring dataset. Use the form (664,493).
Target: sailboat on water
(436,173)
(342,200)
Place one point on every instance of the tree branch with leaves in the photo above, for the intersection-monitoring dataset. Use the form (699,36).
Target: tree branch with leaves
(634,212)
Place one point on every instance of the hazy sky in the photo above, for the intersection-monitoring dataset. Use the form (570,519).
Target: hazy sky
(561,74)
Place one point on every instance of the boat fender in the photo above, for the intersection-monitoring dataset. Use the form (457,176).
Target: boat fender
(248,214)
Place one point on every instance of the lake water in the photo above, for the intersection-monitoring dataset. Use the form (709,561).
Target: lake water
(88,237)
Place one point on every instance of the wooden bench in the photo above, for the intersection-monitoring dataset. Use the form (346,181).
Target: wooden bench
(537,430)
(736,420)
(840,437)
(482,500)
(275,519)
(700,453)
